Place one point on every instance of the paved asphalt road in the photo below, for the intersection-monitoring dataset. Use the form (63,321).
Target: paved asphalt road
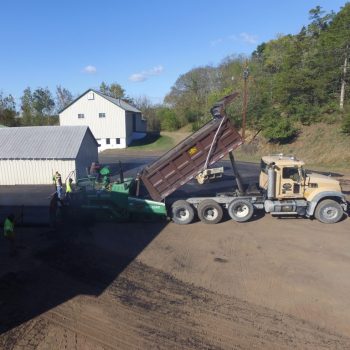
(31,202)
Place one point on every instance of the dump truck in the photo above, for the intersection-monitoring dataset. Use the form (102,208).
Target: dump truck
(285,188)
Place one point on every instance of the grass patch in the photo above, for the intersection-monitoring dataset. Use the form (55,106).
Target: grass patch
(153,142)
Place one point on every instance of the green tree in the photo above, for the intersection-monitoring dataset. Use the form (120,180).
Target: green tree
(114,90)
(168,119)
(189,95)
(7,110)
(149,111)
(63,98)
(280,129)
(43,104)
(27,108)
(333,55)
(319,20)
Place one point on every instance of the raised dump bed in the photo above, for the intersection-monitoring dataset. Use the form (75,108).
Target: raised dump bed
(190,157)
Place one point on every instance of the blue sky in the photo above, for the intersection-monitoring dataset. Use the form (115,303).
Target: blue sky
(142,45)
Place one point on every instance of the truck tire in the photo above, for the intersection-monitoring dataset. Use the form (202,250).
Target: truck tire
(329,211)
(209,211)
(240,210)
(182,212)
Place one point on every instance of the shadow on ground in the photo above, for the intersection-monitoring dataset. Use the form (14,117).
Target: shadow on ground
(54,267)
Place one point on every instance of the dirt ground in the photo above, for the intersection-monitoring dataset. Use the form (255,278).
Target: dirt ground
(266,284)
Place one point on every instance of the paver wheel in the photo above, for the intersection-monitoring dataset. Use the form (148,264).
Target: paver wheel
(328,211)
(241,210)
(182,212)
(209,211)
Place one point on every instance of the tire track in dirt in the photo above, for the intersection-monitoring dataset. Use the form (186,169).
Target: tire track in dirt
(144,308)
(198,310)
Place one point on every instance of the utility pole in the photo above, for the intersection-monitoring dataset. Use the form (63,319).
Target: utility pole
(343,81)
(245,98)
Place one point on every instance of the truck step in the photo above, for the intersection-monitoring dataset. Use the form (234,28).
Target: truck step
(281,213)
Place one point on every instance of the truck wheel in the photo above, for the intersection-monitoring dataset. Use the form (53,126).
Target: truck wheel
(209,211)
(240,210)
(182,212)
(329,211)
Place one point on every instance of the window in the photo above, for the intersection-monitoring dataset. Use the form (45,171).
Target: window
(102,115)
(290,173)
(108,141)
(117,141)
(90,95)
(80,116)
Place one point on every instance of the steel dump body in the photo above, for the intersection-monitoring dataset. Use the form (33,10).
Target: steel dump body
(191,156)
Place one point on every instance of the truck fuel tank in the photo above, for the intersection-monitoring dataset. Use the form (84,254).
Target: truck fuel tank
(287,207)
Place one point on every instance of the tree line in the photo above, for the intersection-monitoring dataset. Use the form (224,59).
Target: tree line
(37,107)
(41,106)
(290,81)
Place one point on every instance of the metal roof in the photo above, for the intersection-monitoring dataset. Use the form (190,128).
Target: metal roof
(117,101)
(42,142)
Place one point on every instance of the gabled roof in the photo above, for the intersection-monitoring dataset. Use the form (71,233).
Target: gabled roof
(117,101)
(42,142)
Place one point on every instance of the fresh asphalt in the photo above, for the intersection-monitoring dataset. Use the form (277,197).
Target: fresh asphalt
(30,202)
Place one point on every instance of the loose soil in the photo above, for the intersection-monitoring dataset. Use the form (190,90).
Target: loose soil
(266,284)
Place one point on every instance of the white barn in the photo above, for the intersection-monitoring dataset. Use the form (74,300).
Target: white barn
(30,155)
(113,122)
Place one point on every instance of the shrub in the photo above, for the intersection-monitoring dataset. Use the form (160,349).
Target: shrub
(346,124)
(280,130)
(168,119)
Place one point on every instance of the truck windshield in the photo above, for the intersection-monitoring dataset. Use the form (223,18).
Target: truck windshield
(290,173)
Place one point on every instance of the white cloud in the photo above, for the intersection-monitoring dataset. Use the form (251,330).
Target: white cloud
(90,69)
(216,41)
(248,38)
(232,37)
(137,77)
(144,75)
(156,70)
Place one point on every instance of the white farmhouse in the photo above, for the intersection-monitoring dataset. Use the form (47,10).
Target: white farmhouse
(113,122)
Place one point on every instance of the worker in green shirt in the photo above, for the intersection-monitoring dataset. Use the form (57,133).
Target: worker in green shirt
(9,233)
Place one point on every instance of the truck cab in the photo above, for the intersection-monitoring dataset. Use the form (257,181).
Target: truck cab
(290,189)
(289,176)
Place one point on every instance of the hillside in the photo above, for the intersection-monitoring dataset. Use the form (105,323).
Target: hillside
(321,146)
